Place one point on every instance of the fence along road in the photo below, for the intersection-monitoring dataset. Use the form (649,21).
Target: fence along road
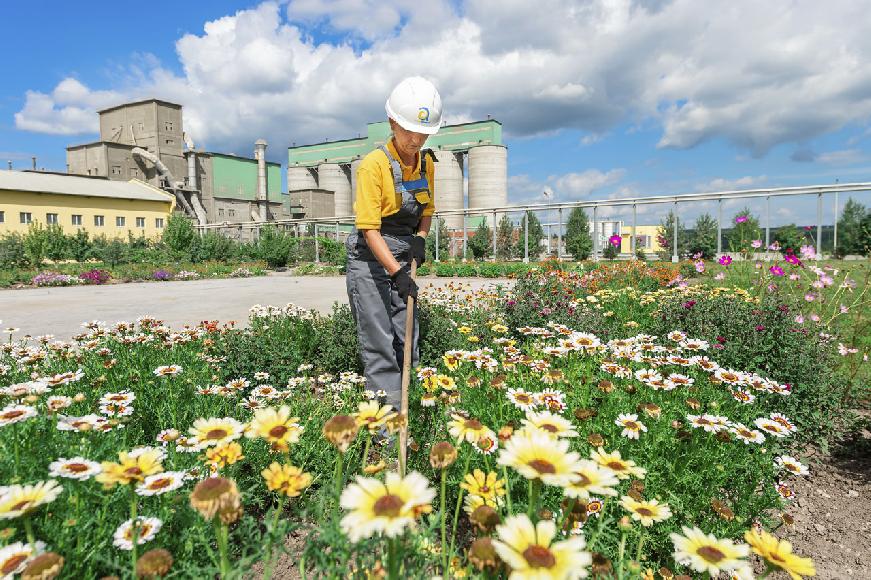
(333,224)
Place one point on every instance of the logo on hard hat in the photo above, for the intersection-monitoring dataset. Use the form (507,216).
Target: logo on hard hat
(423,115)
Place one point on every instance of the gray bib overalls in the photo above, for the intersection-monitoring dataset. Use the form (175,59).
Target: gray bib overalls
(375,304)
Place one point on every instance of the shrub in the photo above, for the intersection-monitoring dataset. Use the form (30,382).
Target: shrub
(179,235)
(610,252)
(114,252)
(746,230)
(481,241)
(56,243)
(577,240)
(212,246)
(703,238)
(332,252)
(790,237)
(36,244)
(12,251)
(80,246)
(273,247)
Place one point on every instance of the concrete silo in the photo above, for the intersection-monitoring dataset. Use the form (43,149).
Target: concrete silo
(488,177)
(335,177)
(355,164)
(449,186)
(301,178)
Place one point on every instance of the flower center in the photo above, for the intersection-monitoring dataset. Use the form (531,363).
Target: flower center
(550,428)
(160,483)
(21,505)
(631,425)
(711,554)
(13,563)
(616,466)
(388,506)
(645,512)
(13,414)
(216,434)
(77,467)
(133,471)
(542,466)
(473,425)
(539,557)
(278,431)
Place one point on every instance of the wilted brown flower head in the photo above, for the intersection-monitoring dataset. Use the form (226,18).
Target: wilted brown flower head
(341,430)
(485,518)
(44,567)
(601,565)
(442,455)
(154,563)
(482,554)
(693,403)
(498,381)
(666,573)
(505,433)
(217,495)
(474,381)
(596,440)
(584,414)
(606,386)
(722,509)
(652,410)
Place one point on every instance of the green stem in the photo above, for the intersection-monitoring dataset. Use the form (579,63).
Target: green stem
(28,528)
(620,553)
(568,513)
(134,530)
(457,507)
(337,476)
(15,447)
(221,537)
(365,452)
(640,545)
(392,563)
(534,493)
(270,561)
(507,488)
(444,526)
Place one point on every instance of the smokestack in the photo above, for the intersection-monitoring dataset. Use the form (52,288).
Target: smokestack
(34,162)
(262,191)
(192,170)
(9,163)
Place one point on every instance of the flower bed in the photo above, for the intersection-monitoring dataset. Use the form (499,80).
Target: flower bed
(611,435)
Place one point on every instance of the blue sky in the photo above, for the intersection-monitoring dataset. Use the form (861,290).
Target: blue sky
(598,99)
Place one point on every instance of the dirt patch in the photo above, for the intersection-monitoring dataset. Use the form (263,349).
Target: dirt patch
(287,566)
(832,511)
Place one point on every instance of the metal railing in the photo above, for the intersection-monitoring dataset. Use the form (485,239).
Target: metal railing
(325,224)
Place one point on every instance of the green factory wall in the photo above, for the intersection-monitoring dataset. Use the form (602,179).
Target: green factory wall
(451,137)
(236,177)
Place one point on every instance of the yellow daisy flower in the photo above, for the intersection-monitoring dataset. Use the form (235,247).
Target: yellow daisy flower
(372,416)
(622,468)
(387,507)
(779,553)
(646,512)
(18,500)
(531,554)
(705,553)
(224,454)
(590,478)
(276,426)
(130,469)
(216,430)
(469,429)
(487,486)
(537,456)
(555,426)
(286,479)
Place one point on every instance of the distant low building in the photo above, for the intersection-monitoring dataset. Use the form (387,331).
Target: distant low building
(95,204)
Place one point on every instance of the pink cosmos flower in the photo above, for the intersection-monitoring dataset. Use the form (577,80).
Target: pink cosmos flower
(720,276)
(725,260)
(700,266)
(810,296)
(740,219)
(776,270)
(756,243)
(799,319)
(615,240)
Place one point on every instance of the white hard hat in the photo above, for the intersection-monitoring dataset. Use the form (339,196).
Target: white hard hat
(416,106)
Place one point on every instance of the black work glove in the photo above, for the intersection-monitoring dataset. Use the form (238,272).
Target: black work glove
(418,250)
(404,284)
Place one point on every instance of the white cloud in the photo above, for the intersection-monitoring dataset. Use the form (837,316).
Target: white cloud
(843,157)
(757,74)
(572,186)
(720,184)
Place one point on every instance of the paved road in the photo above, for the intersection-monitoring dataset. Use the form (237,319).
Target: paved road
(61,311)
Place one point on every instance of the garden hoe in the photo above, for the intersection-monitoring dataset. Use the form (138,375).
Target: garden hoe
(406,375)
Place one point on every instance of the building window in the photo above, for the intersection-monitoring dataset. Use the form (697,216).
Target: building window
(169,141)
(116,170)
(232,212)
(158,223)
(51,218)
(134,172)
(26,217)
(98,221)
(119,221)
(2,216)
(168,126)
(220,212)
(77,220)
(140,222)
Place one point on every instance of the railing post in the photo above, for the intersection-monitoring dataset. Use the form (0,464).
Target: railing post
(767,222)
(549,237)
(819,226)
(494,235)
(337,231)
(835,232)
(675,258)
(595,234)
(633,244)
(719,226)
(465,236)
(559,235)
(317,247)
(526,238)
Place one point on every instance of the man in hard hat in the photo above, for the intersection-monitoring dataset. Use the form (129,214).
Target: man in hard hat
(393,208)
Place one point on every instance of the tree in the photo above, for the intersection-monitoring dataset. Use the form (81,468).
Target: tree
(745,230)
(480,243)
(579,243)
(179,234)
(536,234)
(666,236)
(790,237)
(704,237)
(444,240)
(504,238)
(852,237)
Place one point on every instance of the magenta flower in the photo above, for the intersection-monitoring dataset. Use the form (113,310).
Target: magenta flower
(759,328)
(810,297)
(725,260)
(756,243)
(776,270)
(774,246)
(700,266)
(615,240)
(808,252)
(740,219)
(792,259)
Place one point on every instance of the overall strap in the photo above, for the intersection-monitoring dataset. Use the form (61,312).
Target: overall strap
(394,166)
